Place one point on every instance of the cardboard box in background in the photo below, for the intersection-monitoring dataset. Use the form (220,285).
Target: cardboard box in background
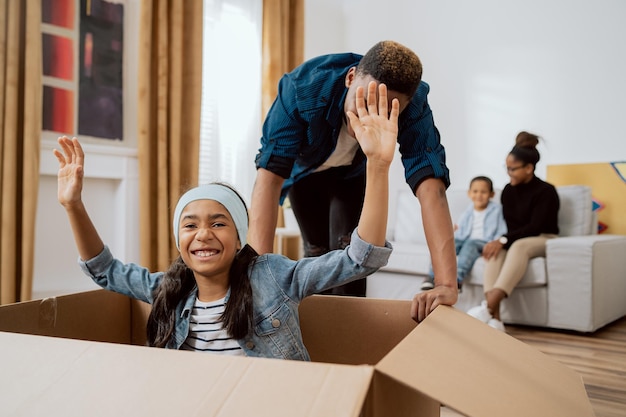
(371,360)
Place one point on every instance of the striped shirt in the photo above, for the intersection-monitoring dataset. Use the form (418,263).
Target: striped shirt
(206,331)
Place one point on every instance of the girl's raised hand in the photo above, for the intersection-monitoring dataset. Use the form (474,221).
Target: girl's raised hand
(70,175)
(376,128)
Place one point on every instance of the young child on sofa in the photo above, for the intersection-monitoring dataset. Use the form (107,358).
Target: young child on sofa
(481,222)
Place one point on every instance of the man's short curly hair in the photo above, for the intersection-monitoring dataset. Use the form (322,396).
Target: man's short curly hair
(393,64)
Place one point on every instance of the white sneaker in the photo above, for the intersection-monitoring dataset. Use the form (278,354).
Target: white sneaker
(496,324)
(481,312)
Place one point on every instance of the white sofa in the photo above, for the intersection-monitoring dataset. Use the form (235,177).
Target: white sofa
(580,284)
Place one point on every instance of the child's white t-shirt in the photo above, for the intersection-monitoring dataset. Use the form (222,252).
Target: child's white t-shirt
(206,330)
(478,225)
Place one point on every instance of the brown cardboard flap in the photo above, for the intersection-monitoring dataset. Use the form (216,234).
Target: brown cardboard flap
(63,377)
(139,318)
(353,330)
(479,371)
(391,398)
(97,315)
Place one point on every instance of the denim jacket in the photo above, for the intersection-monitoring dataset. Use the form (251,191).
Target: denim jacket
(302,127)
(494,225)
(278,285)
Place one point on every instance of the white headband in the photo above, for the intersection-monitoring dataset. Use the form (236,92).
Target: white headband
(223,195)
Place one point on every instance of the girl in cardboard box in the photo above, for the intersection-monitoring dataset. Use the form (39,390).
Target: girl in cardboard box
(219,295)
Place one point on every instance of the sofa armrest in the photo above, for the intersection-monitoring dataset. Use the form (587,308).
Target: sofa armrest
(586,281)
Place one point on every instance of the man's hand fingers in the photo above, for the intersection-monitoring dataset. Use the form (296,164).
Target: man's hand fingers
(426,302)
(395,111)
(383,101)
(360,102)
(372,107)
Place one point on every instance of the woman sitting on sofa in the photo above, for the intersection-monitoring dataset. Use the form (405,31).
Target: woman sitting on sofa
(530,207)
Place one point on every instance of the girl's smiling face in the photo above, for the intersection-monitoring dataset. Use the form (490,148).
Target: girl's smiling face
(208,239)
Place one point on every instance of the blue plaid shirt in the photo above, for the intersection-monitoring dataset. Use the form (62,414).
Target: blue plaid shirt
(303,124)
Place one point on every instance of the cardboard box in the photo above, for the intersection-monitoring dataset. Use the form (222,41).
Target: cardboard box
(370,360)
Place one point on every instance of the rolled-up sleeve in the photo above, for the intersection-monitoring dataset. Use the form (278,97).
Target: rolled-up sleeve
(423,155)
(283,131)
(128,279)
(312,275)
(366,254)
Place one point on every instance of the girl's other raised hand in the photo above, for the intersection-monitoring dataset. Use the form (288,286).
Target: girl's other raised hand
(70,175)
(375,126)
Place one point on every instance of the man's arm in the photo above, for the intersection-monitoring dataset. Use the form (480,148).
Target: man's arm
(264,210)
(438,230)
(440,238)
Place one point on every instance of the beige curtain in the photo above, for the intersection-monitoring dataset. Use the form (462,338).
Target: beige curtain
(283,43)
(20,133)
(170,85)
(283,50)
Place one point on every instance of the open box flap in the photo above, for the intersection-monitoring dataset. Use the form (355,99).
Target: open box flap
(97,315)
(479,371)
(353,330)
(63,377)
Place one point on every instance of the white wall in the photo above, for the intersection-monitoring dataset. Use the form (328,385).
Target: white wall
(110,193)
(556,68)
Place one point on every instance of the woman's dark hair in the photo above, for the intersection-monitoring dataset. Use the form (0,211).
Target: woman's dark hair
(485,179)
(178,281)
(525,148)
(393,64)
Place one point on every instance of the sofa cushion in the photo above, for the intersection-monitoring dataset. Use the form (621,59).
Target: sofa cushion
(575,212)
(408,226)
(576,216)
(409,258)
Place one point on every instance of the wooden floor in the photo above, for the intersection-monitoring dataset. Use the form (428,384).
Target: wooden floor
(600,358)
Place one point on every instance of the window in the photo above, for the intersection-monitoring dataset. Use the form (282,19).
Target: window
(58,39)
(231,92)
(82,42)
